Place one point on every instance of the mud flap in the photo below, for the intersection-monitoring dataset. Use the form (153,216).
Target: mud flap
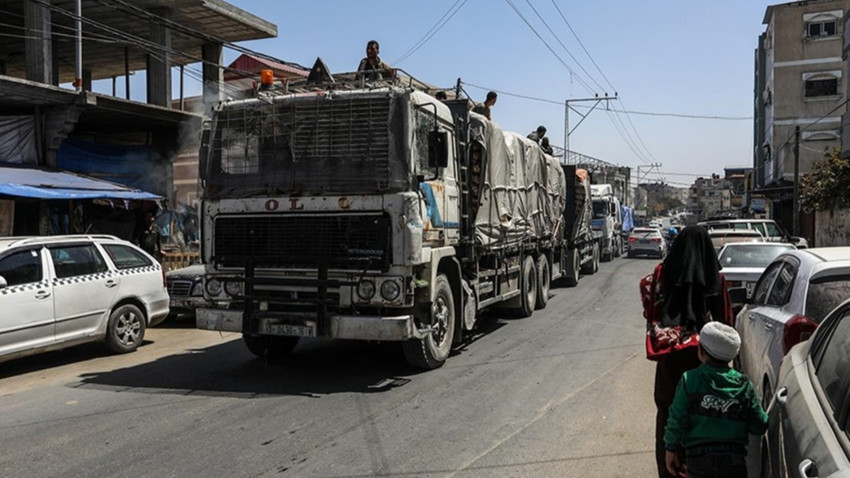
(470,306)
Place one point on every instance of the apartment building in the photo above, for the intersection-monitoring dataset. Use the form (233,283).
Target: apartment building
(799,82)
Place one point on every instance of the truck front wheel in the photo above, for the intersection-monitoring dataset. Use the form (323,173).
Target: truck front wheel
(270,347)
(432,350)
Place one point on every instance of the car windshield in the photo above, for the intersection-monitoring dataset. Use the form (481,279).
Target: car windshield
(825,293)
(750,255)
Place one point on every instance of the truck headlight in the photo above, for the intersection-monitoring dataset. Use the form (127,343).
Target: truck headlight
(213,287)
(390,290)
(233,288)
(366,289)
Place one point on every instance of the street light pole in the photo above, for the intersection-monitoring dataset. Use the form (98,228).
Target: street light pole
(567,131)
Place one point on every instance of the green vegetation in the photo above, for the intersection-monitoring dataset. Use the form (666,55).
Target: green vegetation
(825,187)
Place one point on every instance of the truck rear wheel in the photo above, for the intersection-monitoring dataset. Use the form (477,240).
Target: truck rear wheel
(270,347)
(572,268)
(432,351)
(528,288)
(544,279)
(591,267)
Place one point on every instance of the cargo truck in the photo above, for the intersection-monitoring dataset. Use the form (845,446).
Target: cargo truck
(370,210)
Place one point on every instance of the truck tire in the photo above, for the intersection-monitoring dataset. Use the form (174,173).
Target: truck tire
(592,266)
(572,268)
(528,288)
(618,247)
(544,279)
(270,347)
(432,351)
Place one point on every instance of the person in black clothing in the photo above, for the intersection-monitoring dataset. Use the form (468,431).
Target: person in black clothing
(694,294)
(150,238)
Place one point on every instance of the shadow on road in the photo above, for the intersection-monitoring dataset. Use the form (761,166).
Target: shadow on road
(315,368)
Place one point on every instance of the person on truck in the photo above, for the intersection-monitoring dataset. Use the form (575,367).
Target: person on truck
(544,145)
(538,134)
(484,108)
(374,68)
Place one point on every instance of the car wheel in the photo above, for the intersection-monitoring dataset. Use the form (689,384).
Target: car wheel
(126,329)
(432,350)
(270,347)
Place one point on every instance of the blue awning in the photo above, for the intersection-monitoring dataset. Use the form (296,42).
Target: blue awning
(46,184)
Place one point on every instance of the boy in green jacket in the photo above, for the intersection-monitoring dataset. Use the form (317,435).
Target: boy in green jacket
(714,411)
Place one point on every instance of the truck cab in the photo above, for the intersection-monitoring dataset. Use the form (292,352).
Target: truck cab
(607,219)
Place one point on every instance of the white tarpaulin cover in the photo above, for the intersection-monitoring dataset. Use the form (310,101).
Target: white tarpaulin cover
(522,197)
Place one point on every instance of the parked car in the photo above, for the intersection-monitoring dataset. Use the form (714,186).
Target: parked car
(743,264)
(791,298)
(647,241)
(721,237)
(768,228)
(59,291)
(809,424)
(186,289)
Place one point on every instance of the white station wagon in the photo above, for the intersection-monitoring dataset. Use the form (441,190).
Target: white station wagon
(59,291)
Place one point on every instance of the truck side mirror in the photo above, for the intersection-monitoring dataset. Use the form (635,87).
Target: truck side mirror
(203,152)
(438,149)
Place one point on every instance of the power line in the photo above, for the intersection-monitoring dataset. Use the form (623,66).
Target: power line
(433,31)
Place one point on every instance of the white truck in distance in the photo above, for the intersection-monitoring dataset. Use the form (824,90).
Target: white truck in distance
(370,210)
(607,219)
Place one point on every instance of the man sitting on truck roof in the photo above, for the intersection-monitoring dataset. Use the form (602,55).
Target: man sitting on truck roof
(372,63)
(538,134)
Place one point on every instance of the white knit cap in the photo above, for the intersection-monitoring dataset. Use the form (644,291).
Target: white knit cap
(720,341)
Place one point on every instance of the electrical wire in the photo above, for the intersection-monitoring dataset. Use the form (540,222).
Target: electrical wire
(432,31)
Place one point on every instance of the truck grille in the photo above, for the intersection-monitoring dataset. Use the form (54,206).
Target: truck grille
(179,288)
(342,242)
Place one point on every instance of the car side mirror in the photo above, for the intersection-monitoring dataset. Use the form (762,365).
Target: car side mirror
(438,149)
(3,283)
(738,295)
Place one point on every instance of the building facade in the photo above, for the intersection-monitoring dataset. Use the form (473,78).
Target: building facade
(799,83)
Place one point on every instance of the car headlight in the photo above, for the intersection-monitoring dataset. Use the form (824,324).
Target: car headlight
(197,290)
(213,287)
(390,290)
(233,288)
(366,289)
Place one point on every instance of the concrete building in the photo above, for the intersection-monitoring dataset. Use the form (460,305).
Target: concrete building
(799,78)
(50,117)
(710,197)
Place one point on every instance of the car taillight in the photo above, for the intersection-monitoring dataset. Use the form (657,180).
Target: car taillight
(797,329)
(633,239)
(656,239)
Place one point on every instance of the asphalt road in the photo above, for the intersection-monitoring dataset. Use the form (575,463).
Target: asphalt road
(566,392)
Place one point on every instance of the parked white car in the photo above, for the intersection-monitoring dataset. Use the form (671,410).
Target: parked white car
(794,294)
(808,417)
(743,263)
(59,291)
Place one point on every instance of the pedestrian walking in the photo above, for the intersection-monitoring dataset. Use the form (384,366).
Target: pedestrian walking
(714,411)
(684,292)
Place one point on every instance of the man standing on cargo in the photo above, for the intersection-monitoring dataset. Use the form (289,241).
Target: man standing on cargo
(372,63)
(484,108)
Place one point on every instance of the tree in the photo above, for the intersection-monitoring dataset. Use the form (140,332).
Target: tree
(825,186)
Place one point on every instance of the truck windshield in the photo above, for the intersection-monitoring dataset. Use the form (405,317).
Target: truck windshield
(600,209)
(320,144)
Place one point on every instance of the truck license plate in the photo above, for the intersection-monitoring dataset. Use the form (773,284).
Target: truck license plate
(292,330)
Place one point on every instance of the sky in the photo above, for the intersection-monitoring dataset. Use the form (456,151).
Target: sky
(668,57)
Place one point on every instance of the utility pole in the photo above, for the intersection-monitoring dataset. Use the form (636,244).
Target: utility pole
(795,202)
(567,131)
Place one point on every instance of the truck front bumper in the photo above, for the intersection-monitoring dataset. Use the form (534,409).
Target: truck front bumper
(357,327)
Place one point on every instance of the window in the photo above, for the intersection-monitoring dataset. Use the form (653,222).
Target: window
(77,260)
(760,294)
(22,267)
(833,370)
(825,135)
(821,29)
(781,290)
(824,294)
(822,83)
(126,257)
